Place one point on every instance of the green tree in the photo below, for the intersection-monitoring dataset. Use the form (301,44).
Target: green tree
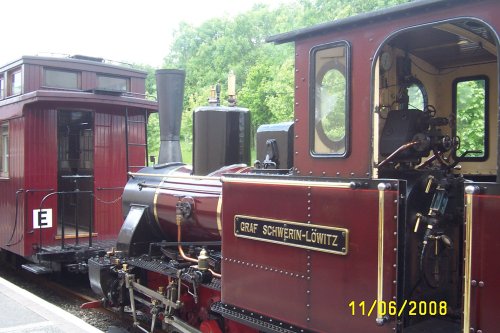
(471,123)
(265,75)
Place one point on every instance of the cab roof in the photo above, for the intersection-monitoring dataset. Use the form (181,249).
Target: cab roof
(384,14)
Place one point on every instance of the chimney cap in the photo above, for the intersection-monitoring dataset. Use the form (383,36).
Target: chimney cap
(170,71)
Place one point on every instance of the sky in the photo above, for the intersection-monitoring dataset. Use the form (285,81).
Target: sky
(128,31)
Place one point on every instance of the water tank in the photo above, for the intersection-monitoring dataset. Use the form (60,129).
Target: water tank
(221,137)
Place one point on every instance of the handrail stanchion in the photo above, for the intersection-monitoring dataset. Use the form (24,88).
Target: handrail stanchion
(91,218)
(62,222)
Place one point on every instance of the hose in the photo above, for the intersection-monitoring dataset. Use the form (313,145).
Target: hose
(15,221)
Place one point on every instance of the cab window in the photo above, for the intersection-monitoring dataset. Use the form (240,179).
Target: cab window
(470,101)
(329,100)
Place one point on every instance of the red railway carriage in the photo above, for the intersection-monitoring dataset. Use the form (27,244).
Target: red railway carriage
(71,130)
(374,211)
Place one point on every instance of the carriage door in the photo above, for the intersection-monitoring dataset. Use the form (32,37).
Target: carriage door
(75,137)
(481,250)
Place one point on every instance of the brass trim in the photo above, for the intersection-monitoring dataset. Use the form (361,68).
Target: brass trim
(467,260)
(155,201)
(243,169)
(219,214)
(157,191)
(190,177)
(73,236)
(286,182)
(380,272)
(294,223)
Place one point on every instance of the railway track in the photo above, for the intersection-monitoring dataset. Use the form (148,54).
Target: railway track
(69,292)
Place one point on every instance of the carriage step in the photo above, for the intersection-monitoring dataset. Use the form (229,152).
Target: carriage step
(37,269)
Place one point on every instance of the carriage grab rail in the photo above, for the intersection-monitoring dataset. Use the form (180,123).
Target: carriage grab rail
(62,225)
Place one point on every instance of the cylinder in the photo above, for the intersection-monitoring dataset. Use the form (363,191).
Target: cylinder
(170,95)
(221,137)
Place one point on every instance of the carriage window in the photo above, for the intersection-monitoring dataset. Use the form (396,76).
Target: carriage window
(4,150)
(15,84)
(330,99)
(61,79)
(471,111)
(114,83)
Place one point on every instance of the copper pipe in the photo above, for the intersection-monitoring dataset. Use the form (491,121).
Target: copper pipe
(217,275)
(179,247)
(181,251)
(400,149)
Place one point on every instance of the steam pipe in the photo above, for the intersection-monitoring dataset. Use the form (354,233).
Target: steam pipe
(181,251)
(397,151)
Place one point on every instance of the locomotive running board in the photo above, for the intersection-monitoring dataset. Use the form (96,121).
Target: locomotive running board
(255,320)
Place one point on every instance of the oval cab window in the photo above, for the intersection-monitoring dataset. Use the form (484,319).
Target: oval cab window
(330,100)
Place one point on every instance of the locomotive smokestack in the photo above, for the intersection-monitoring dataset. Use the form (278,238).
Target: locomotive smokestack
(170,92)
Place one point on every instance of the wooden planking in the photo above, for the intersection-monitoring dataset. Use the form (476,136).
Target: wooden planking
(40,169)
(137,85)
(136,140)
(109,172)
(11,232)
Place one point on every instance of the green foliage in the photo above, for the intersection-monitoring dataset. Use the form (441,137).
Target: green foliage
(471,117)
(265,73)
(332,105)
(153,135)
(268,91)
(328,10)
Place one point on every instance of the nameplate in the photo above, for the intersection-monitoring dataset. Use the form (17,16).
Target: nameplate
(303,235)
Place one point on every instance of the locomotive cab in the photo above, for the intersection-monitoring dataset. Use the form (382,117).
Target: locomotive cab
(435,105)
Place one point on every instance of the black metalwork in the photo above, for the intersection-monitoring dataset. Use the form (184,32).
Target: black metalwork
(126,140)
(255,320)
(170,88)
(221,137)
(76,192)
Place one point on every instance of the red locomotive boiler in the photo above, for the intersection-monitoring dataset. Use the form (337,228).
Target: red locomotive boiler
(374,211)
(71,130)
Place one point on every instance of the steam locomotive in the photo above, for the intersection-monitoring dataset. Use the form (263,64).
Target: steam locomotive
(373,211)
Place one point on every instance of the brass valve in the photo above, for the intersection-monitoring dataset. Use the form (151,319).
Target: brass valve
(203,260)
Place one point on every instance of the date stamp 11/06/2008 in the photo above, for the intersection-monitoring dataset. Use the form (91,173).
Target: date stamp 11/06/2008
(392,308)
